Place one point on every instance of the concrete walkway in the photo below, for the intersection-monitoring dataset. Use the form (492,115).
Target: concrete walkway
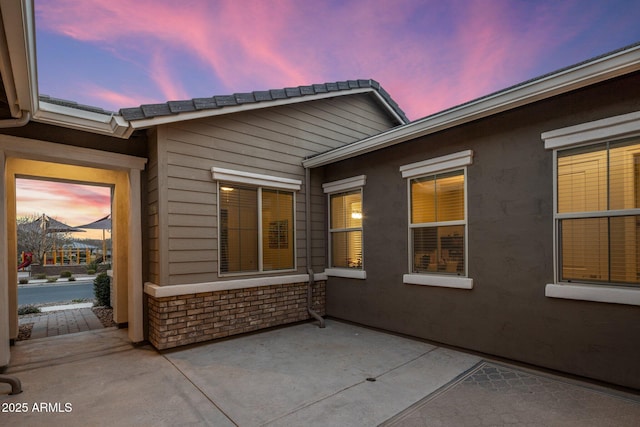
(61,320)
(342,375)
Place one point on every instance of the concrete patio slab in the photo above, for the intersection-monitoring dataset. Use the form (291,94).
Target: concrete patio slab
(97,378)
(342,375)
(303,375)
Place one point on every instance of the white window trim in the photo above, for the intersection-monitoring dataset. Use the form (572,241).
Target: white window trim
(255,179)
(260,270)
(442,164)
(340,186)
(349,273)
(438,164)
(608,129)
(344,184)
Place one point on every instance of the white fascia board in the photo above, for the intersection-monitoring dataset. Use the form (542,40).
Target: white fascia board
(60,115)
(614,65)
(212,112)
(19,27)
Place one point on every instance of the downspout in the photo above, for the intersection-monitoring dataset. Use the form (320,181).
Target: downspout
(307,202)
(24,118)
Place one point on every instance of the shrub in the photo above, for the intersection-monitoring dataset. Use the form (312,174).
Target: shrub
(66,273)
(52,279)
(28,309)
(102,290)
(41,276)
(91,271)
(72,279)
(23,281)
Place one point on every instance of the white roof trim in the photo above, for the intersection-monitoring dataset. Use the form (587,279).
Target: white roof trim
(437,164)
(623,126)
(60,115)
(221,174)
(604,68)
(345,184)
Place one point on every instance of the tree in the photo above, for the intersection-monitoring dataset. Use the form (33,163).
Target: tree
(34,237)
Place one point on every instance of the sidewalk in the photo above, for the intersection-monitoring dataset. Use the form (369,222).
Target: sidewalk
(61,320)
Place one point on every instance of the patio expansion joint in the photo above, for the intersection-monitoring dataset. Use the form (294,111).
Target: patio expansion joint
(200,390)
(364,380)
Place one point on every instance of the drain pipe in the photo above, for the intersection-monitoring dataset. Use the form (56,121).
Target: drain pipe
(24,118)
(16,386)
(307,201)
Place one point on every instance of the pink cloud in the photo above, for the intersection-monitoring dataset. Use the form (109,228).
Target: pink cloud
(428,55)
(73,204)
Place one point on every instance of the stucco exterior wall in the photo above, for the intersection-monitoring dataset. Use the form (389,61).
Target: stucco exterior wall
(510,247)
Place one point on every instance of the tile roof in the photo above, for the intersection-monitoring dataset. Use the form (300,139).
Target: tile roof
(198,104)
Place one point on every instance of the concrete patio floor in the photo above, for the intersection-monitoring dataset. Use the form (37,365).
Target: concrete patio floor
(342,375)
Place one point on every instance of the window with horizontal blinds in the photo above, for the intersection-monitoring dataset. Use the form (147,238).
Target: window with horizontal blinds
(598,213)
(345,229)
(277,229)
(438,223)
(256,229)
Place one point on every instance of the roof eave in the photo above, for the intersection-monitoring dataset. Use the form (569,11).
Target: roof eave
(600,69)
(89,121)
(212,112)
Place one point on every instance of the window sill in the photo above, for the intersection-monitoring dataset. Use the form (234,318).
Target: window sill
(350,273)
(441,281)
(595,293)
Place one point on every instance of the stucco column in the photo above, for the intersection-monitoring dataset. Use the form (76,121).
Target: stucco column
(135,287)
(5,351)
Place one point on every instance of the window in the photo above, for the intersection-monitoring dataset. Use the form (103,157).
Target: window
(256,222)
(598,213)
(256,229)
(345,227)
(438,221)
(597,210)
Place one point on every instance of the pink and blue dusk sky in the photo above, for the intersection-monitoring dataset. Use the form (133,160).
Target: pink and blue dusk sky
(428,54)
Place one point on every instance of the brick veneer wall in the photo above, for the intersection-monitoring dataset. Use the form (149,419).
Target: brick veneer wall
(187,319)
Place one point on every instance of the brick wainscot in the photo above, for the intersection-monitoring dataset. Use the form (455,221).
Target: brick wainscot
(202,316)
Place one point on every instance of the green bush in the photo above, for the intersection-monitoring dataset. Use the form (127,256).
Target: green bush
(41,276)
(23,281)
(91,271)
(102,290)
(52,279)
(28,309)
(66,274)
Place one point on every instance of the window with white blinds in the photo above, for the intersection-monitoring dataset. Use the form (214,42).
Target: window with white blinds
(598,213)
(345,229)
(437,223)
(256,229)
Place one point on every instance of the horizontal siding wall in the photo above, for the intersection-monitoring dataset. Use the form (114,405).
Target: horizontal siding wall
(272,141)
